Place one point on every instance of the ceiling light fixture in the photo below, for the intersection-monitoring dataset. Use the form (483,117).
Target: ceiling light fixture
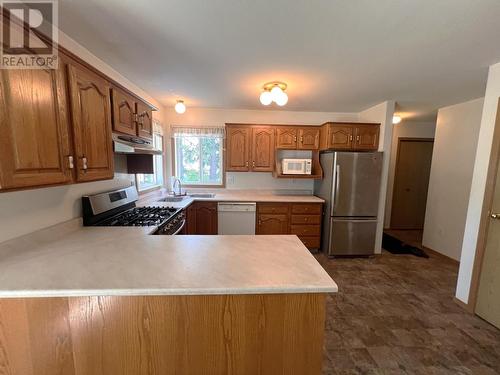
(396,119)
(180,107)
(274,92)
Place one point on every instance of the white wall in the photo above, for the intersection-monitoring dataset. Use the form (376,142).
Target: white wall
(405,129)
(29,210)
(383,114)
(453,157)
(483,152)
(217,117)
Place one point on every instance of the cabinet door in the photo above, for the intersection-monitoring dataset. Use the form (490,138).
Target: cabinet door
(91,114)
(145,120)
(206,217)
(237,149)
(308,139)
(340,137)
(34,144)
(367,137)
(272,224)
(124,110)
(286,138)
(263,149)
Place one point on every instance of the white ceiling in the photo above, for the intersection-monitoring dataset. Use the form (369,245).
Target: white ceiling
(336,55)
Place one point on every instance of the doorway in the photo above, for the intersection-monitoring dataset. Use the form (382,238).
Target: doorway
(411,182)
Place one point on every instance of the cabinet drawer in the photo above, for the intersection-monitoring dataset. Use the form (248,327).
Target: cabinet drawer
(272,208)
(311,242)
(306,208)
(305,230)
(306,219)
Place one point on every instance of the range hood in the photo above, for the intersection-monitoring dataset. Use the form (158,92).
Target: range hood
(126,144)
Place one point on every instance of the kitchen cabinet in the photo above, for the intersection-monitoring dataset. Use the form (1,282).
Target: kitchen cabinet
(297,138)
(308,138)
(91,115)
(145,120)
(301,219)
(238,148)
(201,218)
(262,149)
(35,145)
(286,138)
(249,148)
(349,136)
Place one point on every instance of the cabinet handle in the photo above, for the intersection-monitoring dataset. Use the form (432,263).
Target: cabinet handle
(246,164)
(71,163)
(350,138)
(84,163)
(301,139)
(357,138)
(295,138)
(253,164)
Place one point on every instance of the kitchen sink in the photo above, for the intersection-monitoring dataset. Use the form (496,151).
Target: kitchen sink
(172,199)
(202,195)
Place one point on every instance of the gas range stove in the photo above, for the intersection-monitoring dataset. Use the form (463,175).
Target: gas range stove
(117,208)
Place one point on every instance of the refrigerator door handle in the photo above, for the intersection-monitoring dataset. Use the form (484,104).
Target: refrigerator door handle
(336,190)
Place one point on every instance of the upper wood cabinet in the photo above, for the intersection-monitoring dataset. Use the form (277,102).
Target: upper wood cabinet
(263,149)
(308,138)
(367,137)
(238,148)
(124,112)
(350,136)
(249,148)
(286,138)
(34,142)
(295,137)
(91,114)
(144,120)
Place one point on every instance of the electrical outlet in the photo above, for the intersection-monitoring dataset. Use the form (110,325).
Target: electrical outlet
(229,180)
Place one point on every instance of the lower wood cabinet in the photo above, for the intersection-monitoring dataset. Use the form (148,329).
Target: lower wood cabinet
(201,218)
(301,219)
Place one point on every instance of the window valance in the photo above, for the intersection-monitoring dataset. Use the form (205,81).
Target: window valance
(201,131)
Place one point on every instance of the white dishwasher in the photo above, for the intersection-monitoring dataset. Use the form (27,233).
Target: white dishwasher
(236,217)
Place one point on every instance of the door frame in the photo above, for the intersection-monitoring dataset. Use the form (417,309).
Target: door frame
(400,140)
(484,222)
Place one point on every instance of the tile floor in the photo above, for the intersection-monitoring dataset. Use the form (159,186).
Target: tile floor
(395,314)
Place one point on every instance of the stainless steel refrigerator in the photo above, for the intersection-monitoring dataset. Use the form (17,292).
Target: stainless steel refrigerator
(350,188)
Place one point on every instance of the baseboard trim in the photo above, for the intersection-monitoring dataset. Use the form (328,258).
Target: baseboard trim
(440,255)
(464,305)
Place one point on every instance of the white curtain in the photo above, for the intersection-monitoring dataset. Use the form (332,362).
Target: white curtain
(157,127)
(202,131)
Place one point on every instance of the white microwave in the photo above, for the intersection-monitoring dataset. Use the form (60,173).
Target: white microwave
(296,166)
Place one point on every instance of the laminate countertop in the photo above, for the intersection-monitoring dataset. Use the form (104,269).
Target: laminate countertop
(227,195)
(72,260)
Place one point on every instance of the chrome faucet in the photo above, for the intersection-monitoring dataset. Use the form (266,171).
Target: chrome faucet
(177,181)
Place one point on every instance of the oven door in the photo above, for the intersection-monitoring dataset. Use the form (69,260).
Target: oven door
(174,226)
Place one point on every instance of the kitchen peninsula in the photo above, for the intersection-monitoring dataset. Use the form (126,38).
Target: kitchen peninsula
(100,300)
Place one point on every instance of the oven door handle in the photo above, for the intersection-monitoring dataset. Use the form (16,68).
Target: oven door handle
(180,228)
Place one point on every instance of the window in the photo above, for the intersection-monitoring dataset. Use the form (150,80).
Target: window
(197,154)
(149,181)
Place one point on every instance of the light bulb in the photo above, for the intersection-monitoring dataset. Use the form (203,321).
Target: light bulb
(266,98)
(180,107)
(282,99)
(276,93)
(396,119)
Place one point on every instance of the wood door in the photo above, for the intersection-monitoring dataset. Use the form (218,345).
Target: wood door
(340,137)
(91,114)
(190,227)
(308,139)
(411,181)
(272,224)
(145,120)
(34,143)
(124,110)
(238,148)
(367,137)
(286,138)
(206,217)
(263,149)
